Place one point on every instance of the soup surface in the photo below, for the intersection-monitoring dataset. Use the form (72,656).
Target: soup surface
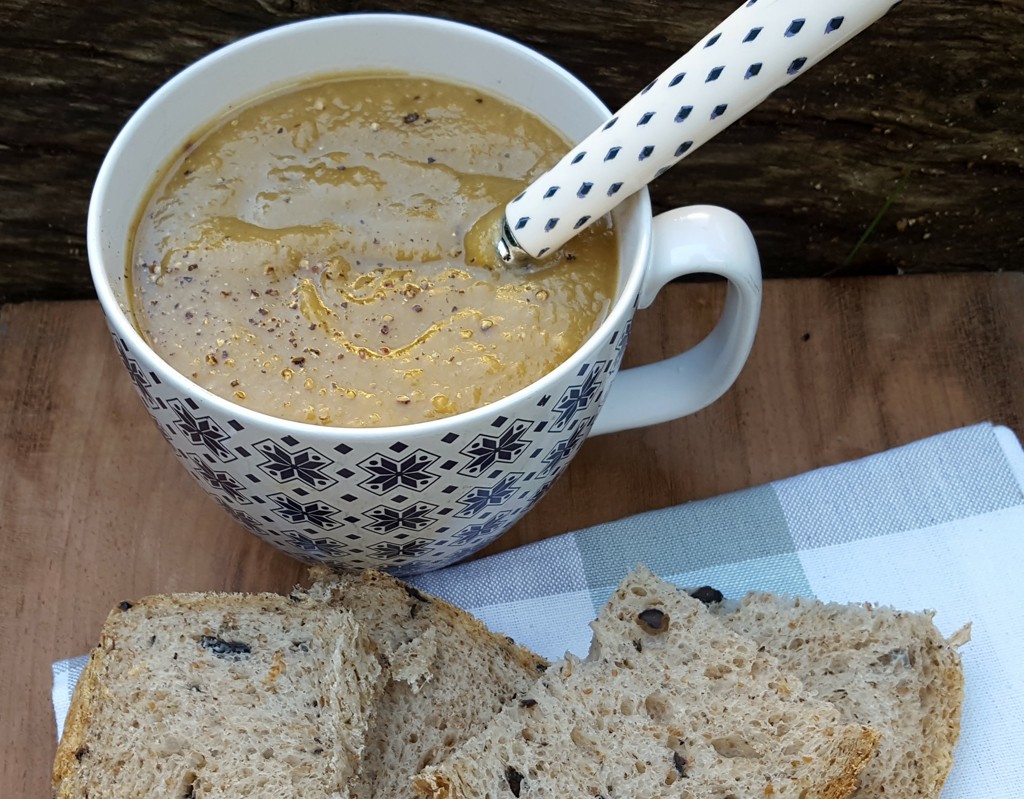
(307,256)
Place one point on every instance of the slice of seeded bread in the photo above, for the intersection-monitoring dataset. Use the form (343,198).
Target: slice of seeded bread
(669,703)
(449,675)
(209,696)
(878,666)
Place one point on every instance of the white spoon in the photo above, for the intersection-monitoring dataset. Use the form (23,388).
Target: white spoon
(762,46)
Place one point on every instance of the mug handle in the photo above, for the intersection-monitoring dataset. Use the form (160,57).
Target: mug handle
(698,238)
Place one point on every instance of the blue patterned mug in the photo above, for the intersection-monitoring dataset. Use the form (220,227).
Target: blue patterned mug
(425,495)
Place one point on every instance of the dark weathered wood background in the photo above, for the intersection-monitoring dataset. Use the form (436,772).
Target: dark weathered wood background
(921,116)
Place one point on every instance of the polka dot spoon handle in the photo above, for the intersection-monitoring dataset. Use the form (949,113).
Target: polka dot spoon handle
(762,46)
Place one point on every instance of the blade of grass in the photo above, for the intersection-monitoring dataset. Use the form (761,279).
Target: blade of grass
(893,196)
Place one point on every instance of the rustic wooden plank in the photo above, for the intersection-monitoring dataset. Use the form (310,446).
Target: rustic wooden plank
(921,111)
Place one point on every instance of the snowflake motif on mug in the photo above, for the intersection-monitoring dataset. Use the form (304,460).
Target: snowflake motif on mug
(560,454)
(479,499)
(317,513)
(314,548)
(135,373)
(477,534)
(387,519)
(506,447)
(306,465)
(410,472)
(579,397)
(220,482)
(407,549)
(201,431)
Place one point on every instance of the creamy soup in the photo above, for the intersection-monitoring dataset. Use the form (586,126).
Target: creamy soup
(307,256)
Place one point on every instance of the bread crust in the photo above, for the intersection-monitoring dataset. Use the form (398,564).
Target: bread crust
(77,723)
(445,612)
(449,673)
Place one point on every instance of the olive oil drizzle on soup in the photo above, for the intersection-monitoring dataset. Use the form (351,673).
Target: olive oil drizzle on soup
(306,257)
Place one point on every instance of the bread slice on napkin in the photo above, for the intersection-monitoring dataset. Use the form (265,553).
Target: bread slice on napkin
(220,695)
(878,666)
(449,675)
(669,703)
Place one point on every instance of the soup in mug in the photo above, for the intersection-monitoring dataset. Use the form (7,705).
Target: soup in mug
(310,256)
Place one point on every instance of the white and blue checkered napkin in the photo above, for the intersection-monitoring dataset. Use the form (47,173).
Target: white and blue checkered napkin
(937,524)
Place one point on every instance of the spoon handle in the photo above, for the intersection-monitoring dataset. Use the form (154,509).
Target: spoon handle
(762,46)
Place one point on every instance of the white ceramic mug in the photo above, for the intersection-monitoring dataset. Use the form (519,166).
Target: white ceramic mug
(419,496)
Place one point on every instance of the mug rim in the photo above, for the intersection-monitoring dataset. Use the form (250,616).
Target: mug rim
(119,319)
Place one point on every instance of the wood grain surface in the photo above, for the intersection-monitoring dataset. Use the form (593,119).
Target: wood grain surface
(94,508)
(917,124)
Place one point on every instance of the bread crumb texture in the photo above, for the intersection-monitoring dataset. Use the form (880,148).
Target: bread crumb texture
(220,695)
(449,675)
(891,669)
(668,703)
